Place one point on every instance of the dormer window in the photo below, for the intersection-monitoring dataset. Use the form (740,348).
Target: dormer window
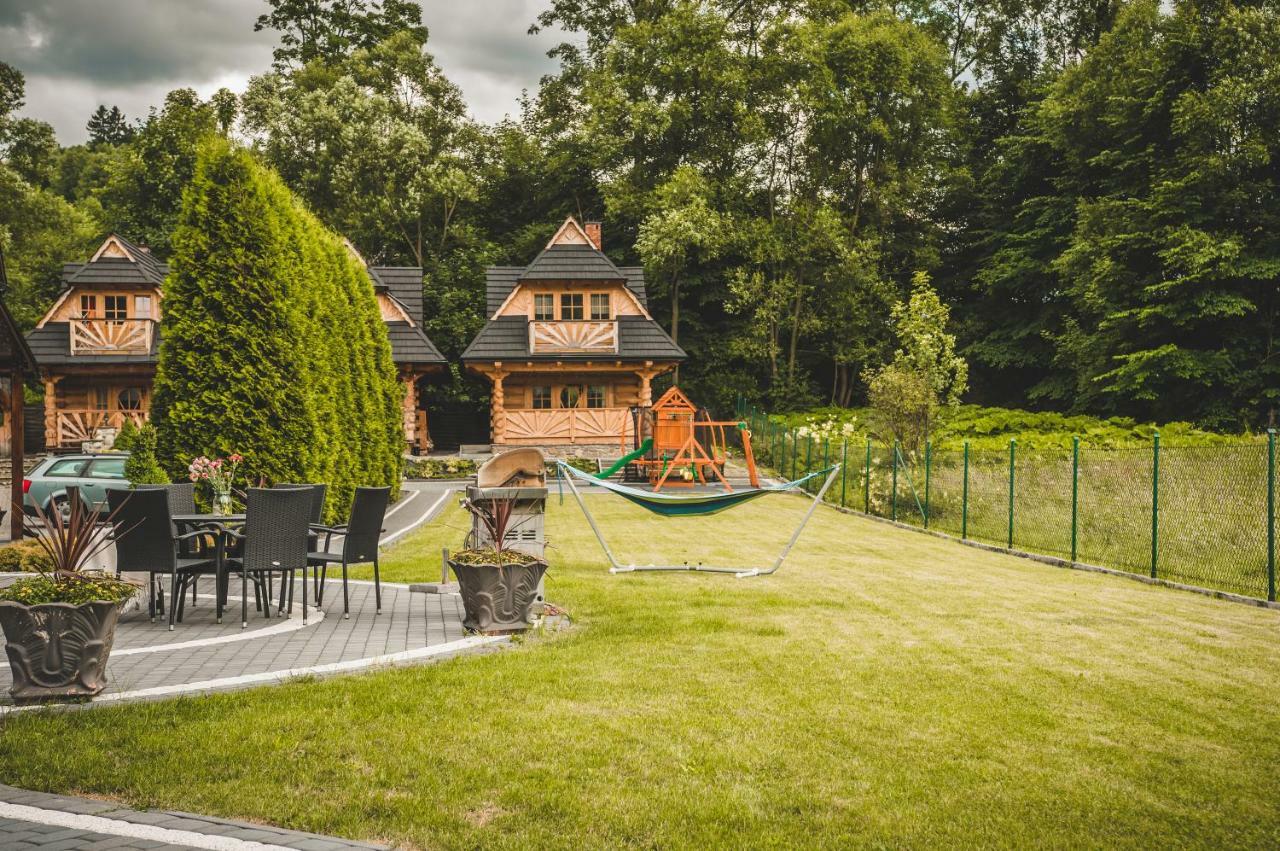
(544,307)
(570,307)
(600,307)
(115,307)
(88,306)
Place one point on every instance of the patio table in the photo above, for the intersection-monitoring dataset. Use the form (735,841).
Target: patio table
(207,518)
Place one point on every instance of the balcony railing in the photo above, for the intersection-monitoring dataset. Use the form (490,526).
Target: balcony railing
(73,427)
(574,337)
(111,336)
(566,425)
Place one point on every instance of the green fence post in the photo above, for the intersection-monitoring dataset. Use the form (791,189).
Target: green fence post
(1013,452)
(844,471)
(1155,501)
(795,453)
(928,459)
(826,452)
(808,458)
(1075,494)
(964,496)
(893,510)
(1271,514)
(866,482)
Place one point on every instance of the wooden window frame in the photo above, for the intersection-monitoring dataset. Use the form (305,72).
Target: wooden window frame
(115,307)
(533,397)
(604,395)
(581,306)
(91,300)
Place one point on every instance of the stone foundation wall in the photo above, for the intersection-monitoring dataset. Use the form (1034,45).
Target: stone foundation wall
(565,451)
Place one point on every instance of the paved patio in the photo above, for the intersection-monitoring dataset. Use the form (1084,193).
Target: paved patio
(35,820)
(200,655)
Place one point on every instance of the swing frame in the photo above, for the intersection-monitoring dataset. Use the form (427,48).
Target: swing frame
(739,572)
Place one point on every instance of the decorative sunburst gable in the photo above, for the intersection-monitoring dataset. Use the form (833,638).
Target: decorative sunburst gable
(114,248)
(570,233)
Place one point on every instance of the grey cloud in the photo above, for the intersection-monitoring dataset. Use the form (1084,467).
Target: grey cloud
(79,53)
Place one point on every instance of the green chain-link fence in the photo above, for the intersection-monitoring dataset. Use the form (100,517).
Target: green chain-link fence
(1202,516)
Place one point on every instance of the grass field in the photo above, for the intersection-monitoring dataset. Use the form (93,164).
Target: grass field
(885,688)
(1212,523)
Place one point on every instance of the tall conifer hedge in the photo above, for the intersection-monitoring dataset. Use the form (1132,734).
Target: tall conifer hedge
(272,342)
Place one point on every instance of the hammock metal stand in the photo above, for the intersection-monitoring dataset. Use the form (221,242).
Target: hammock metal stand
(740,572)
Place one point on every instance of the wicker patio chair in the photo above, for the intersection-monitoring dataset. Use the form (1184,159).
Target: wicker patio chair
(360,537)
(274,541)
(145,543)
(318,492)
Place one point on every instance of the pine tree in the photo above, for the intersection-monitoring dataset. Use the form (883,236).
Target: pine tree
(273,345)
(108,126)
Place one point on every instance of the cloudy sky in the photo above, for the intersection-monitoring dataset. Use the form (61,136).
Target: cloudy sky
(77,54)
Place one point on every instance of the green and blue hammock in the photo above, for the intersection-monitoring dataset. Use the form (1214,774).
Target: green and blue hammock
(696,504)
(681,505)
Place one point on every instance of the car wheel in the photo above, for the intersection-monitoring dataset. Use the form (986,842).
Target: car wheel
(61,504)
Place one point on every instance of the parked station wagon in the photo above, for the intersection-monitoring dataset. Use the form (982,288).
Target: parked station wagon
(46,485)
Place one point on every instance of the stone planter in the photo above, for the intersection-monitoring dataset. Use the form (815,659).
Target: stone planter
(58,651)
(498,599)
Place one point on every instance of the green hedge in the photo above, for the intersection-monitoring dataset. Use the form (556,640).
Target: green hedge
(439,468)
(272,342)
(992,428)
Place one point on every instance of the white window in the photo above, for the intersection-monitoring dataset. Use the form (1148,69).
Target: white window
(544,307)
(142,306)
(600,306)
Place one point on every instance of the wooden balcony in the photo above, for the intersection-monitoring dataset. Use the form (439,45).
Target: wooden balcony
(73,427)
(565,425)
(111,336)
(590,337)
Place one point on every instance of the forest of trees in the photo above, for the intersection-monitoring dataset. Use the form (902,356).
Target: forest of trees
(1090,185)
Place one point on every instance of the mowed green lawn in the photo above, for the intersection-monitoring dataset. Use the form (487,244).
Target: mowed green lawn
(885,688)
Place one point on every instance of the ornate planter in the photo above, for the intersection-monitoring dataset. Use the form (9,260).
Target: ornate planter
(498,599)
(58,651)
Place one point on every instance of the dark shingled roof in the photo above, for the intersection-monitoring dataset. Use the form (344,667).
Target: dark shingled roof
(410,345)
(507,338)
(499,281)
(403,283)
(52,347)
(571,263)
(143,271)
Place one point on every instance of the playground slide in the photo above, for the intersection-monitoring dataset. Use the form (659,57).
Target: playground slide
(627,459)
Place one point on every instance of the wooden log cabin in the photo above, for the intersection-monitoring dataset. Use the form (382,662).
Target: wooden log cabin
(97,345)
(569,346)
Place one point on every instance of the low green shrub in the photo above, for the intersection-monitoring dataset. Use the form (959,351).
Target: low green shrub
(586,465)
(142,467)
(84,588)
(25,555)
(439,468)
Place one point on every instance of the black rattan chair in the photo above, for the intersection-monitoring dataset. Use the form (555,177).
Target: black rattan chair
(318,492)
(145,543)
(182,500)
(359,542)
(275,541)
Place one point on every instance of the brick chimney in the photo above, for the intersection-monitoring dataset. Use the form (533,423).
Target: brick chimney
(593,234)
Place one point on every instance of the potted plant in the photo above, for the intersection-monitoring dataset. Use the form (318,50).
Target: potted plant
(499,585)
(59,625)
